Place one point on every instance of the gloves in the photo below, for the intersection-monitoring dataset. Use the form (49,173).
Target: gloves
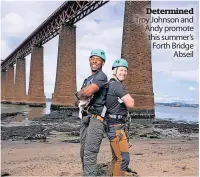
(82,104)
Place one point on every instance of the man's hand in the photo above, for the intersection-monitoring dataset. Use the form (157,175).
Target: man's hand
(87,92)
(80,96)
(76,103)
(84,103)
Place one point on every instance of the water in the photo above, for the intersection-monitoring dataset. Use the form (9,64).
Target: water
(162,112)
(177,113)
(31,112)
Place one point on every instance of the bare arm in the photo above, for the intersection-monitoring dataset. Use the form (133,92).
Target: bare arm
(87,92)
(128,101)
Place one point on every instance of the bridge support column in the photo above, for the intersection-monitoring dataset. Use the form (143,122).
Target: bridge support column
(65,85)
(3,86)
(9,93)
(136,48)
(20,82)
(36,95)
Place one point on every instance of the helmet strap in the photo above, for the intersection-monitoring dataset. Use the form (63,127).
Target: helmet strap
(115,74)
(114,71)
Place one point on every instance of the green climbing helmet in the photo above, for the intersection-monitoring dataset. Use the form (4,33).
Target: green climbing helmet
(99,53)
(120,62)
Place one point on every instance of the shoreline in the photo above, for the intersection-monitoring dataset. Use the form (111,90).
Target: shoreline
(158,109)
(16,126)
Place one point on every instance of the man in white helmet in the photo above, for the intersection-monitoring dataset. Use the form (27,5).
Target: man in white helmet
(118,101)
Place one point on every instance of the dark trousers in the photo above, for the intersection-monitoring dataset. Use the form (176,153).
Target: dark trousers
(91,134)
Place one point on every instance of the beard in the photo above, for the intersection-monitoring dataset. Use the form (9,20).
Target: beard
(96,69)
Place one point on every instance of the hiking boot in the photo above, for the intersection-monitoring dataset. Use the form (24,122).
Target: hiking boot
(130,172)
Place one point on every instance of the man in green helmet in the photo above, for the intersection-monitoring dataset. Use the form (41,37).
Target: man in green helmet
(118,101)
(92,128)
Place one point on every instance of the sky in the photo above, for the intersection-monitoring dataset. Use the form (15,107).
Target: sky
(174,79)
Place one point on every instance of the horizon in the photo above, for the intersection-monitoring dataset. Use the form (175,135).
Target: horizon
(164,102)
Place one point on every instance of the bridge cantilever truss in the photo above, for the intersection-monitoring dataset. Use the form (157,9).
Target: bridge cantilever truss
(138,54)
(69,12)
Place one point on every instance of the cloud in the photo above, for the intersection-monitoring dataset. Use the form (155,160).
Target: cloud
(5,49)
(167,99)
(191,88)
(13,24)
(190,75)
(19,19)
(179,68)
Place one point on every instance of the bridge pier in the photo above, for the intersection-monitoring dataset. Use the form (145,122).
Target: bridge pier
(3,85)
(65,85)
(9,92)
(36,95)
(20,82)
(136,48)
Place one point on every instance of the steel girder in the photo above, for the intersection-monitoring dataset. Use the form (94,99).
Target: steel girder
(69,12)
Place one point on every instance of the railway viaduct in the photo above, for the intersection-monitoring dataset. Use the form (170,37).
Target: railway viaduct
(136,48)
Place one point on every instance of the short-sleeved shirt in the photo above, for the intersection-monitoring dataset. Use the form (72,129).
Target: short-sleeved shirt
(97,104)
(114,104)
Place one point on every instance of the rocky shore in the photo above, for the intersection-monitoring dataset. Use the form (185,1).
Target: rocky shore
(65,124)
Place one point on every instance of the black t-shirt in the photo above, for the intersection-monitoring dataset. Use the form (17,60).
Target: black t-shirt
(114,103)
(99,98)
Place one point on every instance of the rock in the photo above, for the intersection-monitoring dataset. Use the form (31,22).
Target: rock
(64,174)
(9,117)
(3,115)
(20,132)
(72,141)
(5,174)
(143,135)
(151,134)
(181,126)
(59,117)
(165,171)
(65,122)
(67,127)
(75,133)
(154,137)
(138,154)
(36,137)
(184,167)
